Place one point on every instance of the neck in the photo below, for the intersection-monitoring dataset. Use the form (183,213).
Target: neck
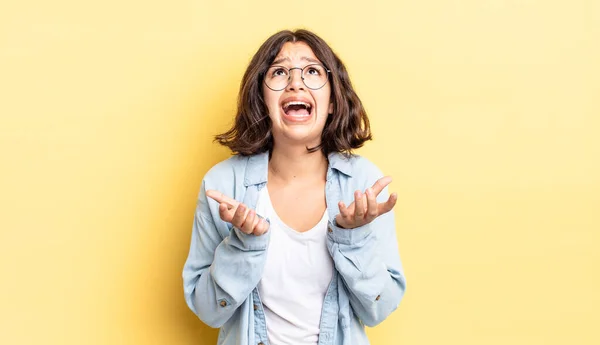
(293,164)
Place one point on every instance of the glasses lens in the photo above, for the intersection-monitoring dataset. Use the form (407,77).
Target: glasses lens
(277,77)
(315,76)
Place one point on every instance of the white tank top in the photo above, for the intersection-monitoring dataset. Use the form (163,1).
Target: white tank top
(297,272)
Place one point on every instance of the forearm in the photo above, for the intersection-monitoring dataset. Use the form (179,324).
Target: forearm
(367,258)
(215,289)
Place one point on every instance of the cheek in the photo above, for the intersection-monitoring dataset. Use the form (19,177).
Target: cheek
(271,99)
(324,99)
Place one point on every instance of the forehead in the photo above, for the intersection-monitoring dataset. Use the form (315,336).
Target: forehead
(292,52)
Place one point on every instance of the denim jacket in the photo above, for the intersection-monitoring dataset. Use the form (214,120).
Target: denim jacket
(225,265)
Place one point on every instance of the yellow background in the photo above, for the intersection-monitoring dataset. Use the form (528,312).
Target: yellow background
(486,113)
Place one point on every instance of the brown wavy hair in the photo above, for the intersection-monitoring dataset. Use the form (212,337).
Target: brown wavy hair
(346,129)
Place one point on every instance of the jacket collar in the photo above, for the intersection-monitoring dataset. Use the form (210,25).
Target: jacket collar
(257,172)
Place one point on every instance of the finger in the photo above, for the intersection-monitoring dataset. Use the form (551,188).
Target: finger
(221,198)
(248,225)
(225,212)
(387,206)
(239,216)
(229,207)
(340,221)
(261,228)
(381,184)
(372,209)
(344,217)
(364,202)
(343,209)
(347,212)
(359,205)
(256,221)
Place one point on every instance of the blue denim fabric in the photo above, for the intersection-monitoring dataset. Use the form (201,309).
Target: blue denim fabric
(224,265)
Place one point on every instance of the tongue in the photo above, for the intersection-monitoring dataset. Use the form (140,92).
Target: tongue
(297,110)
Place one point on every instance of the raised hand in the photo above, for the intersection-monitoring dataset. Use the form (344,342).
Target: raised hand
(238,214)
(365,208)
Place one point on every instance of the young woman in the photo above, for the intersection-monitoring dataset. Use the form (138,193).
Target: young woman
(294,239)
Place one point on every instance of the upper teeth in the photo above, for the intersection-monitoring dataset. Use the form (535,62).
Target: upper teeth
(296,103)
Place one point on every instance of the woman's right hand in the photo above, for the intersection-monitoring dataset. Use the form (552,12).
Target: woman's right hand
(238,214)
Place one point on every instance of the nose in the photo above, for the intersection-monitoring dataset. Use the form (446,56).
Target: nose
(296,82)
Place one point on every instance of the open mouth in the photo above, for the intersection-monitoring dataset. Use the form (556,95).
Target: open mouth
(297,108)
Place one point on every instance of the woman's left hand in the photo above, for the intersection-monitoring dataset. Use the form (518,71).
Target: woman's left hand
(364,209)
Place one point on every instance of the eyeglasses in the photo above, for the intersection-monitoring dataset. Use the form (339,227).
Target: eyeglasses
(314,76)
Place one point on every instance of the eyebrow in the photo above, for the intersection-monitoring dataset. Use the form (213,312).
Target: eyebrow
(305,58)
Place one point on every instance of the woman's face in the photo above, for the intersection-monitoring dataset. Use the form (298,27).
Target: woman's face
(298,113)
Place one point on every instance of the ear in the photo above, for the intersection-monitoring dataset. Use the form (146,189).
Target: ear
(330,110)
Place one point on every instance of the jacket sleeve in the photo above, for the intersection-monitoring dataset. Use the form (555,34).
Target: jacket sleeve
(368,260)
(220,273)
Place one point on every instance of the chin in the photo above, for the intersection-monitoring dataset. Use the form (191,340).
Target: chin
(298,137)
(299,130)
